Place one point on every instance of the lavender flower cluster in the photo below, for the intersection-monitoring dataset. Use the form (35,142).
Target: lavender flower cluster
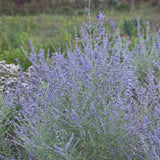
(101,101)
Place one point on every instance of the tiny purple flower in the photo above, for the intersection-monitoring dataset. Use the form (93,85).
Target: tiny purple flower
(100,16)
(97,17)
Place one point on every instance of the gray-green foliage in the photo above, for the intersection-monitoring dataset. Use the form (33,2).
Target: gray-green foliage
(5,149)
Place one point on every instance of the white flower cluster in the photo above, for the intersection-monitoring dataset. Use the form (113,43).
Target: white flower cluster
(9,74)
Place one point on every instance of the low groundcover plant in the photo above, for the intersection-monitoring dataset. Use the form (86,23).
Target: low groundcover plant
(90,103)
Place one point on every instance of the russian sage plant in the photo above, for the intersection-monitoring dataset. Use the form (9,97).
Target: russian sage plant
(90,103)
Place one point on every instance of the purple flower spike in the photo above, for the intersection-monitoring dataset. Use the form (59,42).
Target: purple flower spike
(113,24)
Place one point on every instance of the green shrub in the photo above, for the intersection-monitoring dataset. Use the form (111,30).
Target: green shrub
(130,26)
(113,3)
(123,7)
(82,12)
(8,147)
(65,11)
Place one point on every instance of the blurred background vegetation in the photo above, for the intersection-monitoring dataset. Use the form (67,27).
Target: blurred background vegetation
(51,24)
(24,7)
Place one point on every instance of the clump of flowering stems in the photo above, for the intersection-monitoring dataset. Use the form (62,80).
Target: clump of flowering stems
(101,101)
